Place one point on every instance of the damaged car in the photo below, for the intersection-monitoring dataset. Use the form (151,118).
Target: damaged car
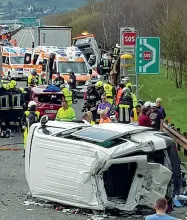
(108,166)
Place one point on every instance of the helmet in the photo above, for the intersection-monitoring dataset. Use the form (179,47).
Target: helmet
(14,83)
(88,83)
(33,72)
(99,84)
(31,103)
(147,104)
(125,90)
(62,86)
(140,102)
(153,105)
(11,86)
(5,86)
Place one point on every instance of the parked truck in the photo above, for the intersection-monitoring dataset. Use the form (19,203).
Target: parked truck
(59,36)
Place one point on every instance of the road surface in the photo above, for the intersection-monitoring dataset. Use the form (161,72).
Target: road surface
(25,37)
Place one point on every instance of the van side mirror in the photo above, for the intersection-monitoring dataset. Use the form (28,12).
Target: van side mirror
(43,121)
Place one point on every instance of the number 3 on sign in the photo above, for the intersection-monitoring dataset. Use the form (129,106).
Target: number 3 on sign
(129,39)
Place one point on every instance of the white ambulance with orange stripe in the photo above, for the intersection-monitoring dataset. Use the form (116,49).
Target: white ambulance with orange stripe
(38,56)
(68,58)
(15,61)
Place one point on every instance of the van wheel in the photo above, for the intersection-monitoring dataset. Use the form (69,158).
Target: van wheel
(9,77)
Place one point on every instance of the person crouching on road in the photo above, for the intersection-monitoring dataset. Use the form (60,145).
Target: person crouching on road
(135,112)
(103,117)
(30,117)
(87,118)
(65,113)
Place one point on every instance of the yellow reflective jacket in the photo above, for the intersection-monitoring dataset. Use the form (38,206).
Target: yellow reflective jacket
(68,96)
(108,90)
(34,80)
(65,115)
(135,115)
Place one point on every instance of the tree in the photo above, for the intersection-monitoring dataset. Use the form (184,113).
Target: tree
(174,37)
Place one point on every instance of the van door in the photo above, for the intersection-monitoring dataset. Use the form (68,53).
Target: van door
(6,66)
(127,182)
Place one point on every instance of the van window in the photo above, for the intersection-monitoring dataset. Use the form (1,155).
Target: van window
(35,59)
(27,58)
(76,67)
(7,61)
(44,65)
(4,59)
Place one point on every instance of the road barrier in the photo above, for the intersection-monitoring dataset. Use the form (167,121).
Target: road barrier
(180,139)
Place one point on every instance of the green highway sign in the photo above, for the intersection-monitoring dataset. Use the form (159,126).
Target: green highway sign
(147,55)
(28,20)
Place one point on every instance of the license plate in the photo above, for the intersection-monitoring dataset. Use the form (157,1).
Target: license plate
(50,111)
(20,73)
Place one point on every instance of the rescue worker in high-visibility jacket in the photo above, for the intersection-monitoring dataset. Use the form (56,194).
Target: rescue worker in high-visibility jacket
(65,113)
(67,95)
(34,79)
(30,117)
(105,66)
(119,93)
(135,112)
(99,88)
(116,50)
(127,83)
(110,92)
(5,105)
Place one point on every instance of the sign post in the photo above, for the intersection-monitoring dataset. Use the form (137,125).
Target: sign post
(128,37)
(147,55)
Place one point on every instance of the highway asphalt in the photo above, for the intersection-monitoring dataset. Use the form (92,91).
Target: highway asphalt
(25,37)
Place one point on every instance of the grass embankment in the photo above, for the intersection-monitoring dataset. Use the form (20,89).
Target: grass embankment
(174,100)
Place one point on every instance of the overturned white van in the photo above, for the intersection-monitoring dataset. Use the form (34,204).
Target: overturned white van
(100,167)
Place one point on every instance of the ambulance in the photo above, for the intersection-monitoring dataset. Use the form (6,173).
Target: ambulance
(87,44)
(38,56)
(63,60)
(15,61)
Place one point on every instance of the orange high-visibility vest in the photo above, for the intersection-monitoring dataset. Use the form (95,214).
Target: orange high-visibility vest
(118,97)
(102,121)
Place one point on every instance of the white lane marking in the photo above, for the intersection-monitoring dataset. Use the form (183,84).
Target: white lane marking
(32,35)
(22,38)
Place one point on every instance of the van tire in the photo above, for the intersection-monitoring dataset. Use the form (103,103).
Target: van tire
(9,76)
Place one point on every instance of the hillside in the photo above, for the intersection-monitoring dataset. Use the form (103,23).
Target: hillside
(64,4)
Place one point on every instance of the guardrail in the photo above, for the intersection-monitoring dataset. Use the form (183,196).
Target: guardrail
(180,139)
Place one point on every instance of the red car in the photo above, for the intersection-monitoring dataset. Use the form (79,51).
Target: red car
(48,103)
